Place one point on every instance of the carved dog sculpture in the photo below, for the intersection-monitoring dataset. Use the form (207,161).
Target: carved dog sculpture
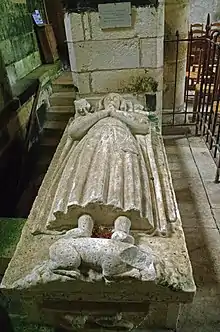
(110,257)
(115,258)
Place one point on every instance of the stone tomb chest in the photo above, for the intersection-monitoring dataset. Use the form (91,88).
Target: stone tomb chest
(104,244)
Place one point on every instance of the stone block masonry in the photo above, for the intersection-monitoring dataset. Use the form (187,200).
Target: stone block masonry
(106,60)
(200,8)
(146,22)
(18,44)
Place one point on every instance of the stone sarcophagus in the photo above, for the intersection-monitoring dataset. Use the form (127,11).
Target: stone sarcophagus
(104,244)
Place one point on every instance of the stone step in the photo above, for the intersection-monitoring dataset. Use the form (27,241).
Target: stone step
(62,99)
(62,109)
(63,88)
(65,78)
(54,127)
(49,141)
(60,113)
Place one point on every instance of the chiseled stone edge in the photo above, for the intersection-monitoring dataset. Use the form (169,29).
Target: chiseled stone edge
(175,276)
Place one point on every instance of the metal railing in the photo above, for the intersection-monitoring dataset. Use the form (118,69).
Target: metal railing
(202,87)
(207,97)
(177,117)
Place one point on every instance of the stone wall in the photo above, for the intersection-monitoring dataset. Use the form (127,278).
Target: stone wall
(114,59)
(18,43)
(200,8)
(17,123)
(13,131)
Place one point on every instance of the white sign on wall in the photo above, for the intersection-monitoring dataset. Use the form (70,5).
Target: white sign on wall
(19,1)
(115,15)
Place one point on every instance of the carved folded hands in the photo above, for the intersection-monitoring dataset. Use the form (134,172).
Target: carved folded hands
(113,106)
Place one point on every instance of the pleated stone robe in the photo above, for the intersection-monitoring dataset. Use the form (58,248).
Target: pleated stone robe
(106,175)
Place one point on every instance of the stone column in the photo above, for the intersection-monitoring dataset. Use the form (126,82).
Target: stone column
(176,18)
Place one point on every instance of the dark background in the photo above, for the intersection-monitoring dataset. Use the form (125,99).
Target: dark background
(92,5)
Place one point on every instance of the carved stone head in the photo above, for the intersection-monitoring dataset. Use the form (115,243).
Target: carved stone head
(114,100)
(82,107)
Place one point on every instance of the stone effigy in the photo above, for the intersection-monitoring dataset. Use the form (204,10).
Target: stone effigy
(109,174)
(107,169)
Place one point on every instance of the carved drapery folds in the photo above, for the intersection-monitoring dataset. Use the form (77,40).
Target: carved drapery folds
(110,170)
(112,164)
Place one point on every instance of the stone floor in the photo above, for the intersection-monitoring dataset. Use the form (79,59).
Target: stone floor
(193,172)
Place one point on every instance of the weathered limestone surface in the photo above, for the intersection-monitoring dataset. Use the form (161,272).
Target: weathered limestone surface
(109,165)
(18,43)
(176,18)
(117,60)
(141,261)
(200,8)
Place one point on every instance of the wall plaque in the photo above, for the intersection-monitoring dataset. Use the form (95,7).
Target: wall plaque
(19,1)
(115,15)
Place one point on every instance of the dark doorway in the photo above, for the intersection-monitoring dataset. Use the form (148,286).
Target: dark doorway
(55,15)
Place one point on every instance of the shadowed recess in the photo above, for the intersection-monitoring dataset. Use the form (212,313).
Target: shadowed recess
(92,5)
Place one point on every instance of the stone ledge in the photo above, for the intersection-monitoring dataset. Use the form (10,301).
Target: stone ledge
(18,70)
(15,115)
(44,73)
